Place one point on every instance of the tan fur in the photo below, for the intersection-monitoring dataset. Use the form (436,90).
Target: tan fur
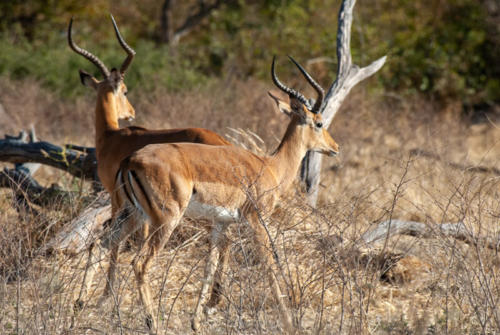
(113,144)
(161,180)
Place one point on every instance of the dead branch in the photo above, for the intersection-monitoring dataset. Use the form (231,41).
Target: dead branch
(454,230)
(80,164)
(20,179)
(79,234)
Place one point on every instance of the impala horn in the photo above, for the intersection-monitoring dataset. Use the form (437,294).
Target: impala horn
(92,58)
(317,87)
(130,52)
(288,90)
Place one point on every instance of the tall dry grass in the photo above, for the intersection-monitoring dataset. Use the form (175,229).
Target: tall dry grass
(336,284)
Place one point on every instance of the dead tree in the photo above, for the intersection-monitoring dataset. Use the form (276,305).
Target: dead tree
(169,34)
(348,75)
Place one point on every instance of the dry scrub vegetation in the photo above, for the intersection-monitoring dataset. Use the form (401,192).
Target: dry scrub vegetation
(337,285)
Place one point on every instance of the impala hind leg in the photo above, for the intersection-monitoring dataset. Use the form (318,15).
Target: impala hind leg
(88,276)
(218,242)
(265,250)
(125,225)
(161,230)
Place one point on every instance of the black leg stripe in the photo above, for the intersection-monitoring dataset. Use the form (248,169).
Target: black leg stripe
(124,186)
(143,190)
(132,189)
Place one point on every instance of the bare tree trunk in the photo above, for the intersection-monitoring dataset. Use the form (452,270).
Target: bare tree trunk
(348,75)
(84,230)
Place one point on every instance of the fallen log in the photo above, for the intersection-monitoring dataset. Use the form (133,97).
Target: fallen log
(455,230)
(79,161)
(79,234)
(20,179)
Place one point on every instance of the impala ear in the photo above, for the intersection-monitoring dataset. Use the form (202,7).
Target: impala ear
(283,106)
(88,80)
(115,78)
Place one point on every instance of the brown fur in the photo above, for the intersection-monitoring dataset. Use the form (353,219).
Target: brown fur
(113,144)
(161,179)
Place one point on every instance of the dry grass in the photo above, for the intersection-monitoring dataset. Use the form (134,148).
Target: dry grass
(336,284)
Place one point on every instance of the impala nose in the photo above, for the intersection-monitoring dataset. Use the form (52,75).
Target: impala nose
(333,153)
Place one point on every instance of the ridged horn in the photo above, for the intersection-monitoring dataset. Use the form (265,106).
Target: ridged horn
(287,90)
(92,58)
(130,52)
(317,87)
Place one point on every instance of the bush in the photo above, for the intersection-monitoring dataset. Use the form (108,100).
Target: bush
(446,49)
(56,65)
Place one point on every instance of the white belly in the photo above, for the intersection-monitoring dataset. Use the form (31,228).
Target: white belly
(199,210)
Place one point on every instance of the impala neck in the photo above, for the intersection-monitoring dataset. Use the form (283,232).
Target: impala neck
(106,117)
(288,157)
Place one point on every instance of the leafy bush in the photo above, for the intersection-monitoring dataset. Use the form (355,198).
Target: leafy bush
(443,48)
(447,49)
(56,65)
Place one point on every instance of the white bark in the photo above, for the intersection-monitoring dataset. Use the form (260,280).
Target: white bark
(348,76)
(457,231)
(81,232)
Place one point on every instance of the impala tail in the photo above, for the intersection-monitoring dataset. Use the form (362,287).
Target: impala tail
(131,189)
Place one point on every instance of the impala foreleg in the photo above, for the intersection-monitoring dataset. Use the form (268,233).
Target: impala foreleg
(265,250)
(218,241)
(219,277)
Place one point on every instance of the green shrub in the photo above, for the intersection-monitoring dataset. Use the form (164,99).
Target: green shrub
(56,66)
(447,49)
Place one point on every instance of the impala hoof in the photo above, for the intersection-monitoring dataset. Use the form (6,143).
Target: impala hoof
(78,306)
(150,324)
(195,324)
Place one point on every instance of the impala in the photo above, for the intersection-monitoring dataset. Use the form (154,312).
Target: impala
(164,182)
(113,143)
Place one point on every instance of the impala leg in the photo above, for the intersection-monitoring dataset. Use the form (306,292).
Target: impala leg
(93,259)
(264,249)
(142,261)
(219,277)
(141,264)
(217,240)
(88,276)
(131,223)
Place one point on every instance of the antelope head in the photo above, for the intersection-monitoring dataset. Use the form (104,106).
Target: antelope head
(113,80)
(310,120)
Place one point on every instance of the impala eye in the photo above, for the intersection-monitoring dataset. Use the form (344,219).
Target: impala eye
(319,124)
(125,93)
